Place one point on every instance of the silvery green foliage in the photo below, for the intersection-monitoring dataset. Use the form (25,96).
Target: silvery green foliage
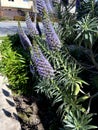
(23,38)
(41,5)
(31,26)
(51,36)
(78,121)
(43,66)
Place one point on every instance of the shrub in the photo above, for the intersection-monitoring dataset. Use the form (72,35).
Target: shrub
(64,87)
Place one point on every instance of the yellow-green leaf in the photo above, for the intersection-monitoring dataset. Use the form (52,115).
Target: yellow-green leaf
(77,89)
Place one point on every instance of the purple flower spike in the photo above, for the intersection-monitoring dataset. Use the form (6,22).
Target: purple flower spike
(23,38)
(51,36)
(31,26)
(43,66)
(49,6)
(41,5)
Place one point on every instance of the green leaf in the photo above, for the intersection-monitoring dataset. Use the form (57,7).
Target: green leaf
(77,89)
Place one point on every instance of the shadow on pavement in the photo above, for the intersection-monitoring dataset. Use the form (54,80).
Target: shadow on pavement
(10,103)
(10,115)
(6,93)
(7,113)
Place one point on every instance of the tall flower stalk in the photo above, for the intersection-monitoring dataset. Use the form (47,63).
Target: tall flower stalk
(51,36)
(49,6)
(23,38)
(40,4)
(31,26)
(43,66)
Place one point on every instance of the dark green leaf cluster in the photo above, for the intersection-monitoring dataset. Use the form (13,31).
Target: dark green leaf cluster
(78,121)
(79,33)
(64,90)
(88,6)
(87,30)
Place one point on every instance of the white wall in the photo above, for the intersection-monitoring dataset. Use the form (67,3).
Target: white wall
(17,3)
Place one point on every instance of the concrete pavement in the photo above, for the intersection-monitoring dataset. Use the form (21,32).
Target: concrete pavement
(8,114)
(10,27)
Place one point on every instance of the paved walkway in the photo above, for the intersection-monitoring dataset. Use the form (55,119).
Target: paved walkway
(10,27)
(8,114)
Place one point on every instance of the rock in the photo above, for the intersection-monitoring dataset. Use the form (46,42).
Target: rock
(34,119)
(23,116)
(34,108)
(28,110)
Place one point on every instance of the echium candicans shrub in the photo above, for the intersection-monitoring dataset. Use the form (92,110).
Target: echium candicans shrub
(63,87)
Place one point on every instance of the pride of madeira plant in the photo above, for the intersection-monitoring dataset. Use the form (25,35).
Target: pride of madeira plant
(58,73)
